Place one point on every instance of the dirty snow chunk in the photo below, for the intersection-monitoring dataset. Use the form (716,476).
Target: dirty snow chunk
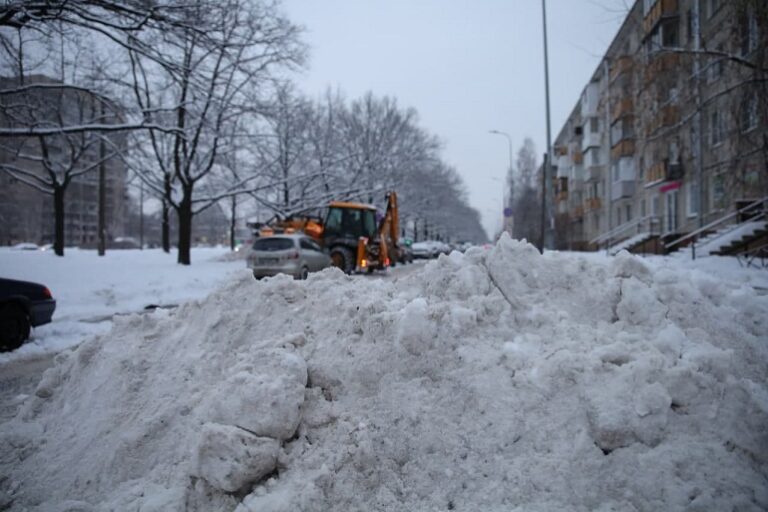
(264,396)
(627,265)
(516,267)
(639,305)
(229,458)
(416,332)
(622,414)
(286,495)
(670,341)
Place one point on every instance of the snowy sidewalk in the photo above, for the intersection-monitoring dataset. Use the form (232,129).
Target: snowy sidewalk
(90,289)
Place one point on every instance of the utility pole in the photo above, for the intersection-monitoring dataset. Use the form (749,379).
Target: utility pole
(548,159)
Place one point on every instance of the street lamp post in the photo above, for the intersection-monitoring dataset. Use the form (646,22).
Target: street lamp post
(545,171)
(511,181)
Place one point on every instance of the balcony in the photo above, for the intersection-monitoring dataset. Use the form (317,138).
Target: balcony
(624,107)
(623,148)
(667,116)
(578,158)
(595,173)
(589,100)
(659,63)
(592,203)
(577,212)
(590,140)
(663,171)
(577,173)
(661,9)
(621,189)
(561,189)
(623,64)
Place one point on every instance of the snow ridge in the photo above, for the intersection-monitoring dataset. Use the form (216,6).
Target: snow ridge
(493,380)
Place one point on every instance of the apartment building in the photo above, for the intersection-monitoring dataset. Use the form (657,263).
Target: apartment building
(26,197)
(670,133)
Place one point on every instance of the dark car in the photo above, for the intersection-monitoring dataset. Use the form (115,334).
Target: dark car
(22,305)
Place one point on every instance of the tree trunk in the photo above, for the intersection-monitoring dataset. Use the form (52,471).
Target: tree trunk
(102,248)
(232,224)
(102,245)
(166,231)
(58,211)
(184,212)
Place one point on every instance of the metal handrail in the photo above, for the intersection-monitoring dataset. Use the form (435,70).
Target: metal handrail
(717,222)
(622,228)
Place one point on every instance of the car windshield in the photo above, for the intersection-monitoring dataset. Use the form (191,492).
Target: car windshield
(273,244)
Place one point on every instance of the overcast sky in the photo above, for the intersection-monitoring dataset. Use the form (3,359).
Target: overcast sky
(467,67)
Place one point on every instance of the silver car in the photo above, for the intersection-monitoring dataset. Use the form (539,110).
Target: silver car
(294,254)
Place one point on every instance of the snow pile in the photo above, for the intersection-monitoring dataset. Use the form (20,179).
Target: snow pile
(495,380)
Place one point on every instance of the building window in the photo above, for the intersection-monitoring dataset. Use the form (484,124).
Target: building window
(748,30)
(655,206)
(628,210)
(710,7)
(594,125)
(692,199)
(715,68)
(670,33)
(647,5)
(593,157)
(671,217)
(749,113)
(716,128)
(718,192)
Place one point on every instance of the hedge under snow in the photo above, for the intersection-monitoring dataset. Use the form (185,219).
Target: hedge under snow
(494,380)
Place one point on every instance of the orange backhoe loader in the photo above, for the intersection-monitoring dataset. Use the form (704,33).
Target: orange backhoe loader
(351,234)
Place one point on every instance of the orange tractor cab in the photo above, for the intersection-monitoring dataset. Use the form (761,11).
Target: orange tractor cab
(351,234)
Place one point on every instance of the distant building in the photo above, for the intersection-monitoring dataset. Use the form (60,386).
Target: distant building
(26,212)
(670,132)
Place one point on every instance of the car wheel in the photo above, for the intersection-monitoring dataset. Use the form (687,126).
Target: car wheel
(304,273)
(14,327)
(342,258)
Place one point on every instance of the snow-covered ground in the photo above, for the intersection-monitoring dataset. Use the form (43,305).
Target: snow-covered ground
(90,289)
(494,380)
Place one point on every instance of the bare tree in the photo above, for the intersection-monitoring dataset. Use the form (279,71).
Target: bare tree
(526,203)
(218,82)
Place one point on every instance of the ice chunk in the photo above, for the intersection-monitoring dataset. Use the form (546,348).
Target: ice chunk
(639,305)
(230,459)
(264,397)
(416,331)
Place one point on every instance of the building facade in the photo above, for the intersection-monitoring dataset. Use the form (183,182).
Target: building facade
(670,132)
(29,165)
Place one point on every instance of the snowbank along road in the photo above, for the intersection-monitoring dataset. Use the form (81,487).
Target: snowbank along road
(494,380)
